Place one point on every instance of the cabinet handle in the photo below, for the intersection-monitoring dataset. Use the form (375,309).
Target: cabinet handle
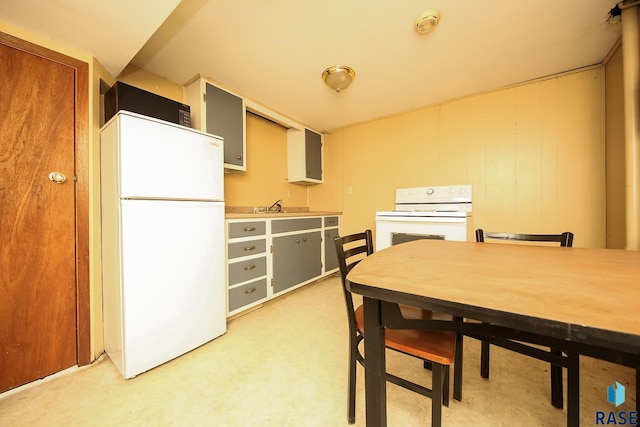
(239,157)
(297,240)
(304,240)
(249,229)
(250,267)
(250,291)
(249,248)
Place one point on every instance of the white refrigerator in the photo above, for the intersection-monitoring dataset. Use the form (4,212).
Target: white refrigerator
(163,278)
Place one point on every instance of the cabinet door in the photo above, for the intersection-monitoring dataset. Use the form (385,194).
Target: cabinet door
(330,256)
(313,154)
(296,259)
(226,118)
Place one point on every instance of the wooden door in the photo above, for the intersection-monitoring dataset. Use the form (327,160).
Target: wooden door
(38,281)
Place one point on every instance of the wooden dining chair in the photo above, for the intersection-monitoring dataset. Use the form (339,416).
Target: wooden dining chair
(565,240)
(435,348)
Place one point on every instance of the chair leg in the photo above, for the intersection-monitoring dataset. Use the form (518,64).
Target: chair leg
(353,366)
(484,360)
(445,386)
(556,383)
(457,369)
(436,394)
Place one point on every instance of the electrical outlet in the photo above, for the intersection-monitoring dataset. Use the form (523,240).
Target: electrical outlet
(349,189)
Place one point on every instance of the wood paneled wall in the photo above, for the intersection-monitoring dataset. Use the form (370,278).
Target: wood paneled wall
(534,153)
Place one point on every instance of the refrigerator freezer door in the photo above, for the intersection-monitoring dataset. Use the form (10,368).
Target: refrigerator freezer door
(164,294)
(160,160)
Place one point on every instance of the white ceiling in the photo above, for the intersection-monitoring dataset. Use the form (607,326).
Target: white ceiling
(111,31)
(274,51)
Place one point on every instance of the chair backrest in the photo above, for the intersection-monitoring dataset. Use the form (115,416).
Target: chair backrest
(351,250)
(565,239)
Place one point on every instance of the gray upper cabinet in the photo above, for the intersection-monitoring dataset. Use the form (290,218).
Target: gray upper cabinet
(219,112)
(305,153)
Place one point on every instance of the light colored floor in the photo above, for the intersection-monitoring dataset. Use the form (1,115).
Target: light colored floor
(285,365)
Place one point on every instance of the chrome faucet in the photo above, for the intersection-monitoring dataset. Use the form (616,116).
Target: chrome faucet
(277,206)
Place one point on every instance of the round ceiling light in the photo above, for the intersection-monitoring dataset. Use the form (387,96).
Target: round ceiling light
(427,21)
(338,77)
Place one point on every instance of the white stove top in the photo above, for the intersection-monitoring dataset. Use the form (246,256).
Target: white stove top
(452,194)
(443,201)
(413,214)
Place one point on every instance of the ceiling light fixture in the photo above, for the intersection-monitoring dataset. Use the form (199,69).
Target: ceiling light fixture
(427,21)
(338,77)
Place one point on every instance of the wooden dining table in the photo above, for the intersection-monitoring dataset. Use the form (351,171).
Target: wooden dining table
(583,301)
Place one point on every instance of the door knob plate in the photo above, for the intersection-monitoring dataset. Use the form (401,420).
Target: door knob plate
(57,177)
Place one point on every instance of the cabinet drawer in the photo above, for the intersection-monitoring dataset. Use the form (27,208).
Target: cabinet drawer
(246,229)
(251,247)
(284,225)
(331,221)
(246,294)
(247,270)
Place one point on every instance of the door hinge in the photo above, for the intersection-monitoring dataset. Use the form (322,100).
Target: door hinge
(272,283)
(271,248)
(204,97)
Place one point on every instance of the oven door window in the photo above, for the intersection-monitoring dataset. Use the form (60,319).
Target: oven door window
(442,228)
(397,238)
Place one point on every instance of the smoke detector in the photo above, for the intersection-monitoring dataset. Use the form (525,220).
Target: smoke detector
(427,21)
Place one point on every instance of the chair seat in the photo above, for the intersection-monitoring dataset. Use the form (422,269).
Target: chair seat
(437,346)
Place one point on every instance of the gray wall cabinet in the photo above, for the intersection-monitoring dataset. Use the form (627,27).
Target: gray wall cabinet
(304,156)
(220,112)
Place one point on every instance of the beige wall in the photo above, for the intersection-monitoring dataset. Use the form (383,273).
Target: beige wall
(616,203)
(265,180)
(533,153)
(151,82)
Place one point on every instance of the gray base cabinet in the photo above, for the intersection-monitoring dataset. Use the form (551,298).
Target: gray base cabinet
(269,257)
(330,259)
(296,259)
(247,264)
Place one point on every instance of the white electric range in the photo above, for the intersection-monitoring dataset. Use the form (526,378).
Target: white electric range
(442,212)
